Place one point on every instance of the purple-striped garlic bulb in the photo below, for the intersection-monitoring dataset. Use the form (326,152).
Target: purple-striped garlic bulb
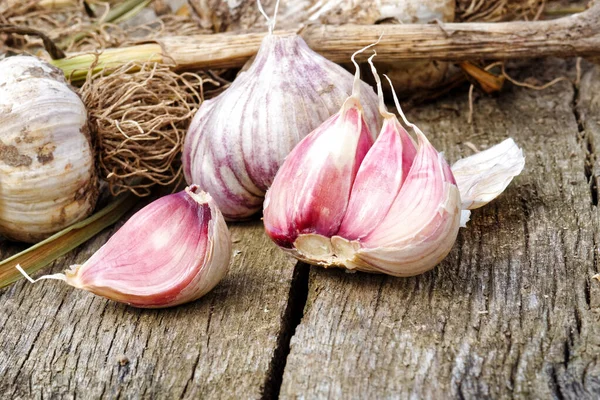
(392,207)
(172,251)
(238,140)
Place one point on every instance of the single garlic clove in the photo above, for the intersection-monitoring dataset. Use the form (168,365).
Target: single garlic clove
(483,176)
(421,226)
(47,176)
(310,193)
(238,140)
(172,251)
(378,181)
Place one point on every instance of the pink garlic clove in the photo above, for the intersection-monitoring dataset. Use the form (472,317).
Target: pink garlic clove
(314,182)
(379,180)
(171,252)
(418,202)
(421,226)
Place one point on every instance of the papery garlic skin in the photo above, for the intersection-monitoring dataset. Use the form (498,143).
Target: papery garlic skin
(47,178)
(483,176)
(238,140)
(171,252)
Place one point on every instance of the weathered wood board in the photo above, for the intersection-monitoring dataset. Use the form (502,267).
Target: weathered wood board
(57,342)
(512,312)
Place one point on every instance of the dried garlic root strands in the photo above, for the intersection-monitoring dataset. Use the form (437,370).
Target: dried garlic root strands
(171,252)
(47,178)
(238,140)
(390,207)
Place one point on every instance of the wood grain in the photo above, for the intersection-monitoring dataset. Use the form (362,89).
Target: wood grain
(511,313)
(59,342)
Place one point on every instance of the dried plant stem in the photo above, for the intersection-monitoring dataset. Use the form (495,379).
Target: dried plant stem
(77,68)
(575,35)
(51,48)
(57,3)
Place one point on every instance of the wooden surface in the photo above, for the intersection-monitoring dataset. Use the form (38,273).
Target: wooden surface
(64,343)
(511,313)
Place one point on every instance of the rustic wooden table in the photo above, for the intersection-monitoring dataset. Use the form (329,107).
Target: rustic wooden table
(512,312)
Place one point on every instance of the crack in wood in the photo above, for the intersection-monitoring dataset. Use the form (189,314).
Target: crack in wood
(554,383)
(588,146)
(291,319)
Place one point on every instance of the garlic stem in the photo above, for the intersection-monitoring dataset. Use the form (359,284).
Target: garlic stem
(76,67)
(58,277)
(54,4)
(357,81)
(382,108)
(397,103)
(270,21)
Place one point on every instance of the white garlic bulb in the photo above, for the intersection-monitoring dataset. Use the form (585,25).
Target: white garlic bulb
(238,140)
(47,178)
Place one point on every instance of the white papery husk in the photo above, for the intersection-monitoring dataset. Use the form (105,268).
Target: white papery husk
(483,176)
(47,179)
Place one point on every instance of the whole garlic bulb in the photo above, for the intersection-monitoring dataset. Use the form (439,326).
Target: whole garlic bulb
(47,178)
(238,140)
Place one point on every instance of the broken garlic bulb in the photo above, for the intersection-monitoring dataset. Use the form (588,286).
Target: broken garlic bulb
(47,177)
(172,251)
(392,207)
(237,141)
